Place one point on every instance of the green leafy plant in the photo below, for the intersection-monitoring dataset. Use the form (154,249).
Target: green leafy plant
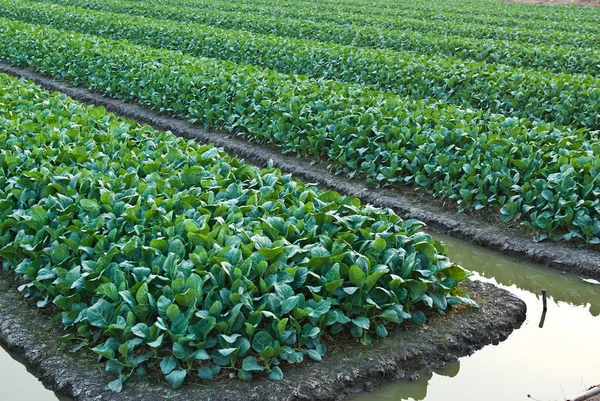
(566,58)
(565,99)
(480,160)
(470,19)
(162,255)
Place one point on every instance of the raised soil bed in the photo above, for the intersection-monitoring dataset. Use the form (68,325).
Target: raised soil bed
(349,367)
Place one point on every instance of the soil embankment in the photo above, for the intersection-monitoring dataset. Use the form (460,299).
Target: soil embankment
(348,368)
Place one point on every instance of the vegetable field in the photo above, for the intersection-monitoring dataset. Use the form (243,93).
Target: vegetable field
(497,112)
(164,255)
(170,259)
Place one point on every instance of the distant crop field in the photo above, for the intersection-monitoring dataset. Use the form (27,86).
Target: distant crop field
(585,3)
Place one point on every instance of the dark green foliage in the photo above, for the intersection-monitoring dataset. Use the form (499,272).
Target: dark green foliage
(166,256)
(538,95)
(567,58)
(533,172)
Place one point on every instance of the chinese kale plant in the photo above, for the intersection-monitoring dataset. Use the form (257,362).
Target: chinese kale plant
(162,255)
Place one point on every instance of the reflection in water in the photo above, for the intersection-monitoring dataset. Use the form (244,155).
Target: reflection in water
(549,363)
(528,277)
(417,390)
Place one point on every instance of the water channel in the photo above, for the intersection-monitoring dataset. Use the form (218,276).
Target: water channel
(548,363)
(553,362)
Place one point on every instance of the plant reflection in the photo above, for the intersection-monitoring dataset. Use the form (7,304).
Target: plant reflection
(523,275)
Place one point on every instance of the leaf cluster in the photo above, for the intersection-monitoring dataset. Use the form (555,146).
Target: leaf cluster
(163,255)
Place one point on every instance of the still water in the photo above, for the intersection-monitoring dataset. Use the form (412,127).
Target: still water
(553,362)
(17,384)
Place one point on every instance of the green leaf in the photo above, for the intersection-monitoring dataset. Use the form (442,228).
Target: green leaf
(357,276)
(156,343)
(373,278)
(178,248)
(276,374)
(187,298)
(381,330)
(101,314)
(389,315)
(289,304)
(314,355)
(230,339)
(205,373)
(419,319)
(141,295)
(90,206)
(250,364)
(116,385)
(192,175)
(168,364)
(456,273)
(104,351)
(227,351)
(39,214)
(60,254)
(176,378)
(362,322)
(201,355)
(173,312)
(216,308)
(379,245)
(261,341)
(141,330)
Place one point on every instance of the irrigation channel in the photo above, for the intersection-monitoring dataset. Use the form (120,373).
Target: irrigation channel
(549,360)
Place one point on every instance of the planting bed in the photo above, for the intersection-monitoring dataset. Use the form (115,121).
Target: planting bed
(348,368)
(166,257)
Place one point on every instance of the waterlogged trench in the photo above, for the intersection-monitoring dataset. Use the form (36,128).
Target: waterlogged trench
(552,362)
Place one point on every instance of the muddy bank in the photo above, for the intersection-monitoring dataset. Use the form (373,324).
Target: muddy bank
(348,367)
(406,202)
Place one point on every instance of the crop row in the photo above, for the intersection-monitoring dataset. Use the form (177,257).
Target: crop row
(557,59)
(164,255)
(472,7)
(405,21)
(564,99)
(530,172)
(530,17)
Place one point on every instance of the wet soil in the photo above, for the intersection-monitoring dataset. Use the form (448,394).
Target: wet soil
(349,367)
(478,228)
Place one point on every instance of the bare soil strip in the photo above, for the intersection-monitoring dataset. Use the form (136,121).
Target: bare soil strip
(406,202)
(348,368)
